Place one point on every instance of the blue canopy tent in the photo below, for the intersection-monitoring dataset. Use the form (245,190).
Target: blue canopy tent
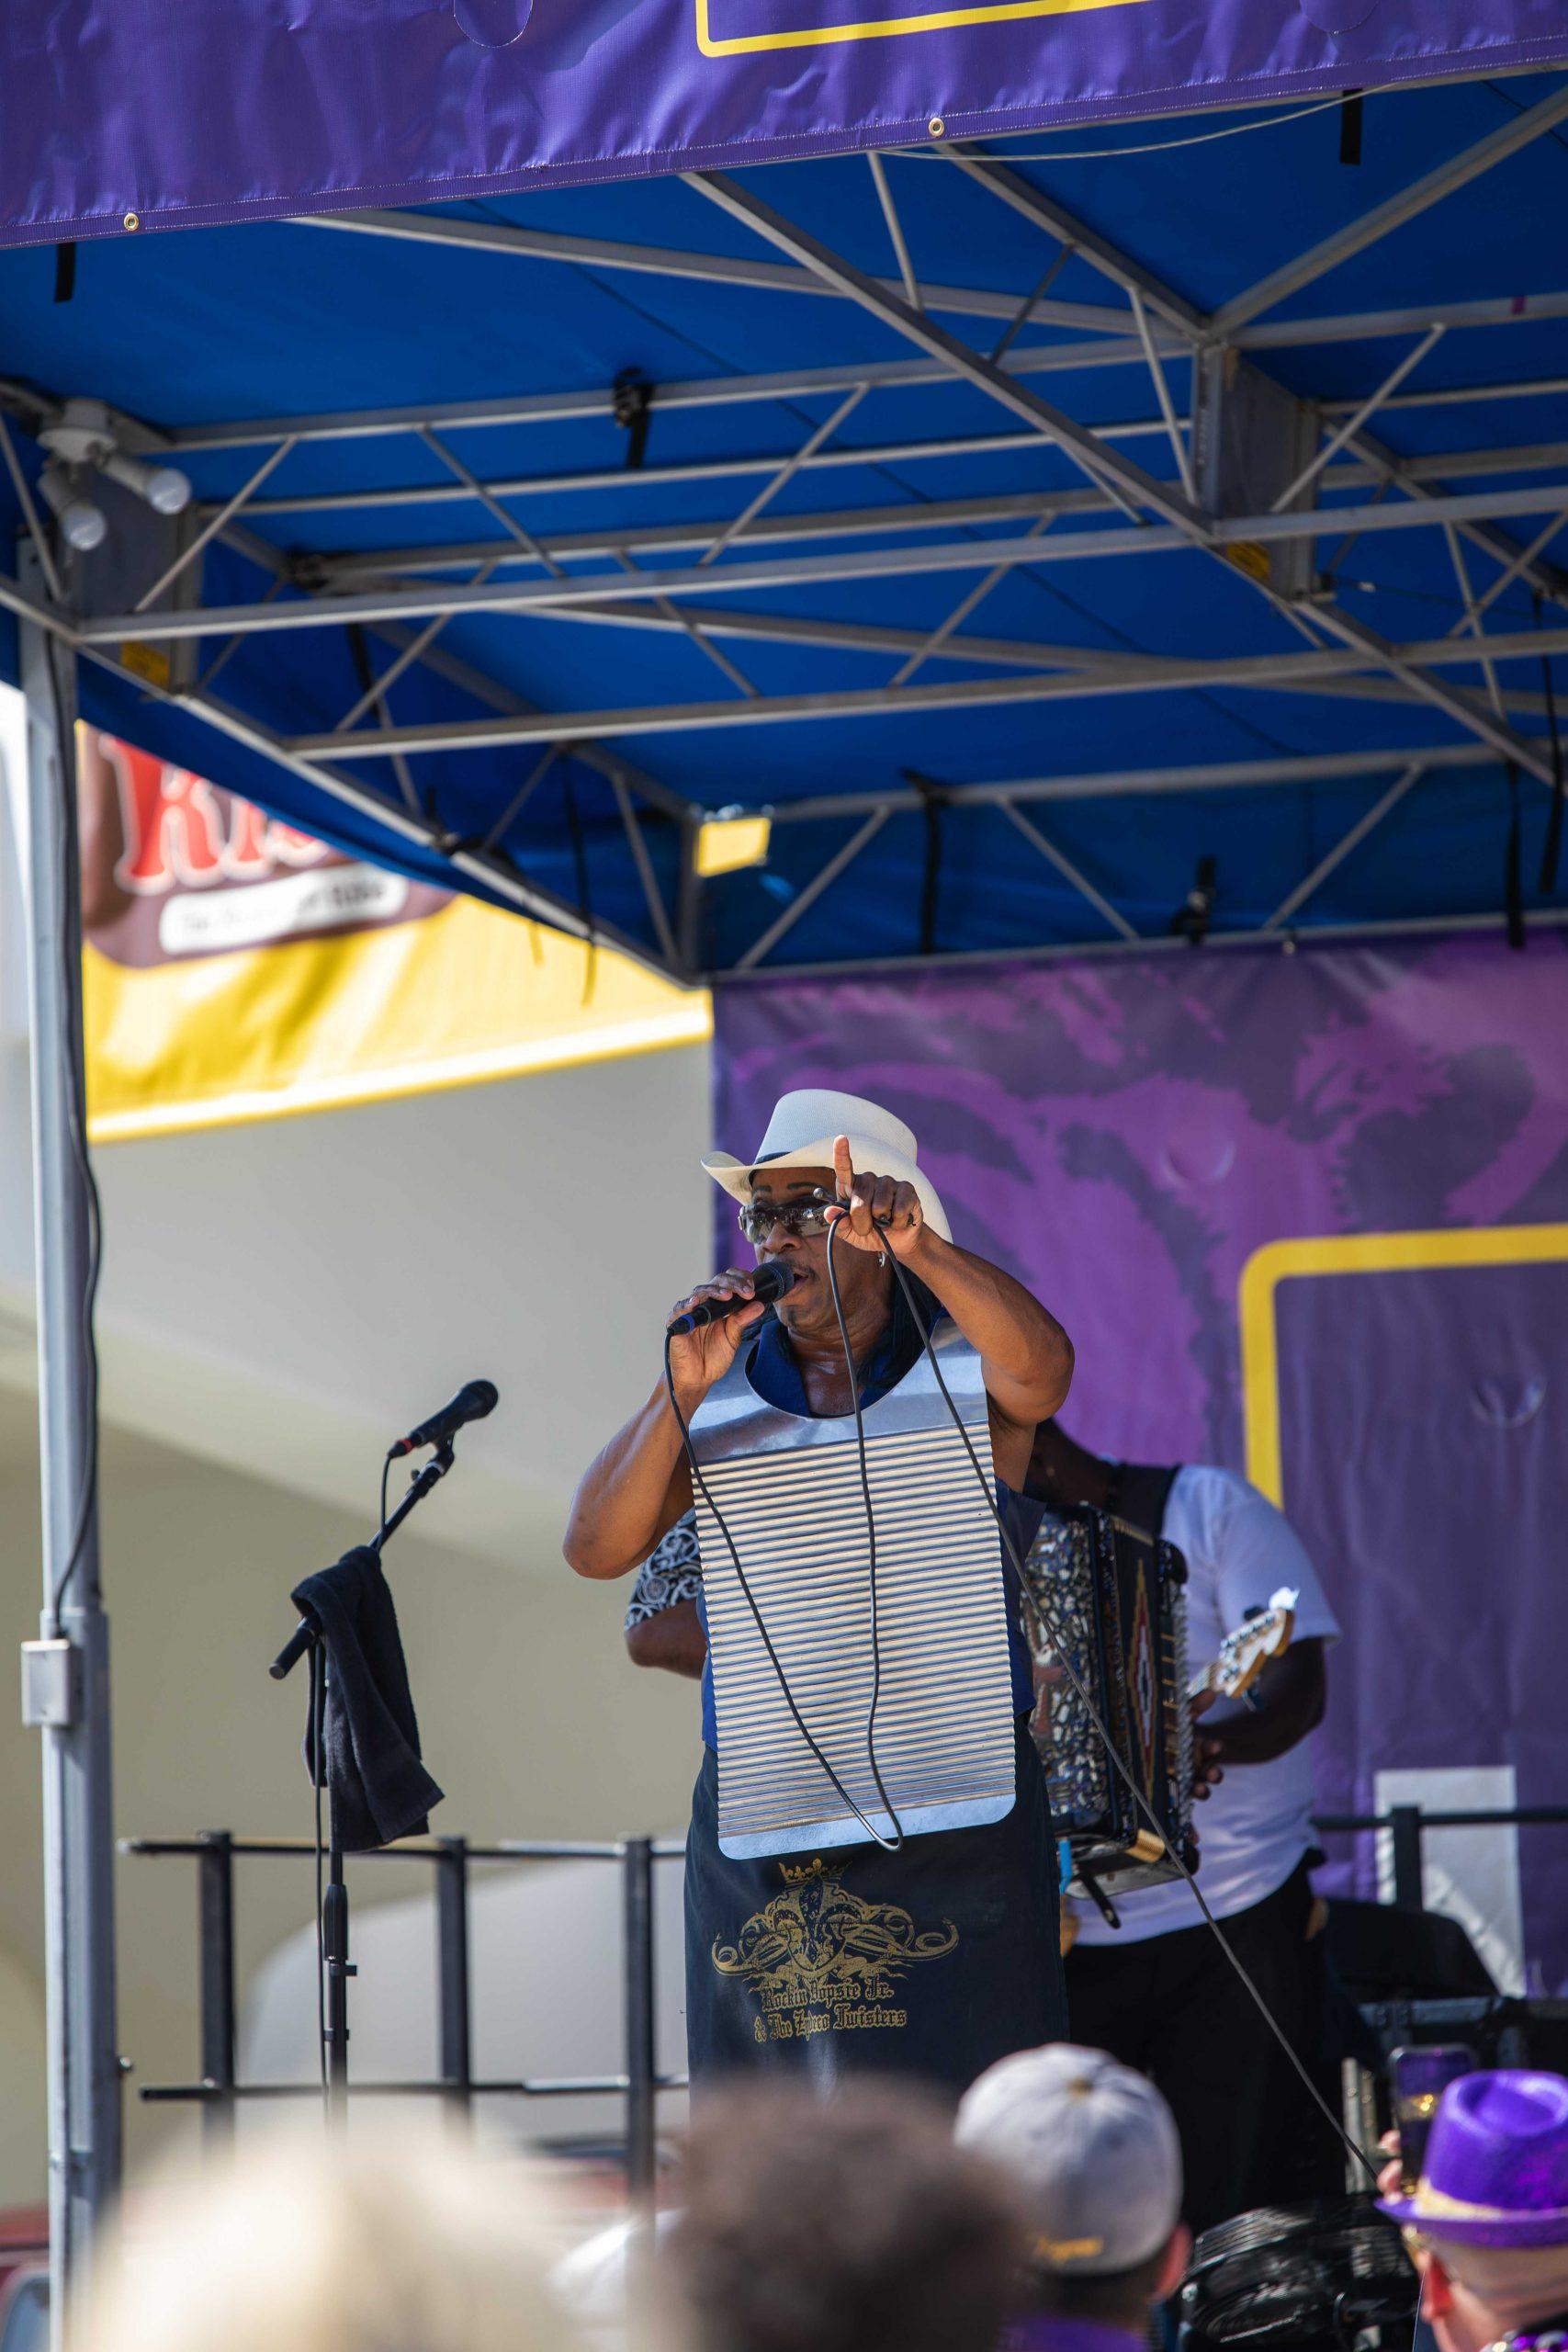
(1022,504)
(857,579)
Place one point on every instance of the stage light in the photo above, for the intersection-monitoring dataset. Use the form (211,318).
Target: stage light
(164,488)
(86,434)
(731,840)
(82,526)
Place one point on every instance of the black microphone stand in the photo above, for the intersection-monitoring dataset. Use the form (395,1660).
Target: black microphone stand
(332,1926)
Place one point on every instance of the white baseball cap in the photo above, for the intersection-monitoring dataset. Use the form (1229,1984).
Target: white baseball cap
(1090,2146)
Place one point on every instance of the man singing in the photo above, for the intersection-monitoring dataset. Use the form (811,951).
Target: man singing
(941,1955)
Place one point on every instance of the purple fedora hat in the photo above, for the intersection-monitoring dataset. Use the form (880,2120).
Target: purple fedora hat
(1496,2171)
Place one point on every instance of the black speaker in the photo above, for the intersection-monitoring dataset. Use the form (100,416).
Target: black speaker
(1320,2277)
(1379,1951)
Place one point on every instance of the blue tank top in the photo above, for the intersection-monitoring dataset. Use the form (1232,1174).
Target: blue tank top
(775,1375)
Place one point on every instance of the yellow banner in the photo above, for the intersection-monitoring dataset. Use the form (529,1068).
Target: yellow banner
(236,968)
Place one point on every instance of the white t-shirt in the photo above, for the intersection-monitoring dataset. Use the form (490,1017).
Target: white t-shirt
(1255,1826)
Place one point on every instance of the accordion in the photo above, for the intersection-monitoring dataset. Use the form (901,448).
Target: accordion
(1112,1602)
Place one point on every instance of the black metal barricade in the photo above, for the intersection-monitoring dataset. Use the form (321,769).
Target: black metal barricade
(1408,1824)
(216,1853)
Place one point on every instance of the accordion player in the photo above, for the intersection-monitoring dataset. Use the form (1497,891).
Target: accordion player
(1109,1603)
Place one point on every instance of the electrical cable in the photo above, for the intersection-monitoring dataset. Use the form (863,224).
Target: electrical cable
(1552,846)
(70,913)
(1153,147)
(1052,1634)
(888,1846)
(871,1547)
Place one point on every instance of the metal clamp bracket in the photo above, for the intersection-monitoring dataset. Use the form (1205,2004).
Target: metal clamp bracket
(52,1685)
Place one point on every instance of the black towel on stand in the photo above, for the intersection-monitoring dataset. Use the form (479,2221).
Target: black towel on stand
(370,1763)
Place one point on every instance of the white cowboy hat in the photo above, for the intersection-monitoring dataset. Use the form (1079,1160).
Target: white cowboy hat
(802,1132)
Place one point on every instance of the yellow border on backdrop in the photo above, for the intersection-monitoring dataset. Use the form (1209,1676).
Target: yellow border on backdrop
(879,28)
(1353,1253)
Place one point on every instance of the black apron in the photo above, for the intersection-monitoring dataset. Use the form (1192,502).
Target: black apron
(931,1962)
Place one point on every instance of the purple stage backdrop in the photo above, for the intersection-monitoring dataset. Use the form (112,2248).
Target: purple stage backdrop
(1362,1157)
(121,115)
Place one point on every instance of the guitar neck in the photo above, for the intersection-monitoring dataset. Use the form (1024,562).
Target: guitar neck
(1246,1651)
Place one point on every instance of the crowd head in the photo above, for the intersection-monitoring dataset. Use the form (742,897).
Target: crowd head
(389,2242)
(865,2222)
(1090,2149)
(862,2221)
(1488,2221)
(850,2226)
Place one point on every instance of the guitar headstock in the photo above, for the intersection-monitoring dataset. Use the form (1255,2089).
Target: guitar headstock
(1244,1654)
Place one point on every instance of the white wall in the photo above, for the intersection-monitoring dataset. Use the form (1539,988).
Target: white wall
(286,1296)
(532,1721)
(278,1302)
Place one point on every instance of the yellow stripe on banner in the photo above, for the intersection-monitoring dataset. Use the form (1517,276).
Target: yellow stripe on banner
(463,996)
(879,28)
(1352,1253)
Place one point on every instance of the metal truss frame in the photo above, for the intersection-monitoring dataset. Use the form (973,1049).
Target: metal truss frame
(1283,941)
(1260,673)
(698,579)
(760,572)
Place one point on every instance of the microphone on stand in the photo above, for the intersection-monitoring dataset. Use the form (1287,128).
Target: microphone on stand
(471,1404)
(769,1281)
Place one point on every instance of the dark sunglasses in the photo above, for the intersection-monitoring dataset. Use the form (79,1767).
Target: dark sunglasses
(806,1220)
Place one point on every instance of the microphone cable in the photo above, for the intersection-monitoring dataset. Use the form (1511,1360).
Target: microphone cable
(1033,1604)
(888,1844)
(871,1547)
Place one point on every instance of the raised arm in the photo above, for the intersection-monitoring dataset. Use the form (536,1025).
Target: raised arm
(1025,1356)
(634,1491)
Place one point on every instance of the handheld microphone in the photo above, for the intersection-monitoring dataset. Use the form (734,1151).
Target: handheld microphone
(471,1404)
(769,1281)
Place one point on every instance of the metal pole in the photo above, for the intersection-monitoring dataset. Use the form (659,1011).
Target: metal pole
(642,2117)
(452,1968)
(1405,1827)
(334,1947)
(1359,2114)
(84,2066)
(215,1900)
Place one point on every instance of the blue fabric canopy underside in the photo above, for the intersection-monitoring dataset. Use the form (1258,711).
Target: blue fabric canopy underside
(281,320)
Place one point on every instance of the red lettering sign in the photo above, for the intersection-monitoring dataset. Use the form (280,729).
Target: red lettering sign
(175,833)
(246,855)
(174,827)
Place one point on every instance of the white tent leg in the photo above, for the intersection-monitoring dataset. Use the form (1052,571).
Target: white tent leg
(83,2065)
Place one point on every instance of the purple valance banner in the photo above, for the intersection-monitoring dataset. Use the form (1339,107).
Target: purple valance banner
(120,115)
(1304,1214)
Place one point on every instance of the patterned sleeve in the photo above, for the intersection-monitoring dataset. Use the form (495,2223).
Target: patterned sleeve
(672,1572)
